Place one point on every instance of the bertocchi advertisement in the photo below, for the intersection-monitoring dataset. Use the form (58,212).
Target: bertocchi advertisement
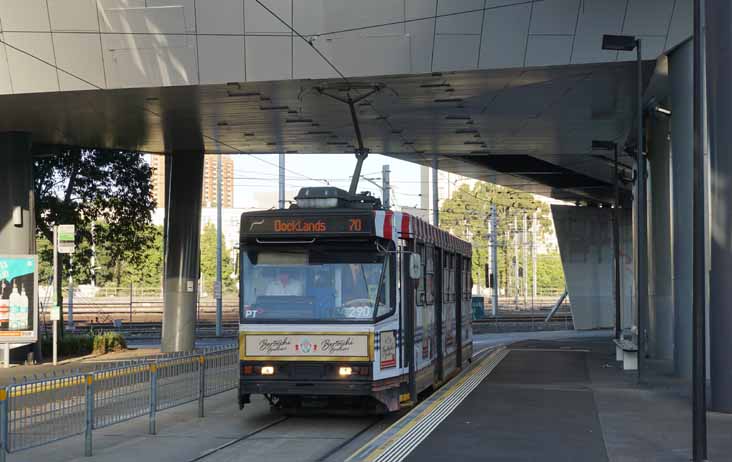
(306,345)
(18,298)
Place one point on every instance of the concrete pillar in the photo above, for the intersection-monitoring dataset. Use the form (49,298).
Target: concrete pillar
(680,77)
(17,208)
(719,91)
(585,242)
(182,256)
(661,264)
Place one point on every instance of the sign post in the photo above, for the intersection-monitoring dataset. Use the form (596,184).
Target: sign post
(55,317)
(65,243)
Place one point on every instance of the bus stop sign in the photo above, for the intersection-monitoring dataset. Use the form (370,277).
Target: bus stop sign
(66,239)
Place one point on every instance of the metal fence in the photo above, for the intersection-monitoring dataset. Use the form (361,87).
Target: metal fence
(39,412)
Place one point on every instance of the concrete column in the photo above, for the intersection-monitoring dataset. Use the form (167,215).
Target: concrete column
(182,254)
(661,264)
(680,77)
(584,235)
(719,91)
(17,208)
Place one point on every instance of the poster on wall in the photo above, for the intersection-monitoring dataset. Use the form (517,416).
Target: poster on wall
(388,347)
(18,298)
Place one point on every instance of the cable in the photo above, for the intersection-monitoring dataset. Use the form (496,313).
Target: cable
(309,42)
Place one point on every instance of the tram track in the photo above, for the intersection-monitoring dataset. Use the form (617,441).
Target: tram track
(230,443)
(266,432)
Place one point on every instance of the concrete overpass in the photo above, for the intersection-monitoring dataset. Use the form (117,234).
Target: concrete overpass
(512,92)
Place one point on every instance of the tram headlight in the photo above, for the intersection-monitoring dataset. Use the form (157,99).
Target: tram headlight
(345,371)
(267,370)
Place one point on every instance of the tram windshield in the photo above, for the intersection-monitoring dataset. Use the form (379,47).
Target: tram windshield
(316,285)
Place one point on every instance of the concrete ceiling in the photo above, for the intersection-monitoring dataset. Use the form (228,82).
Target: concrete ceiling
(526,128)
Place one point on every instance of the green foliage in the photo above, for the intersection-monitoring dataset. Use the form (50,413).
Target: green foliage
(72,345)
(110,189)
(549,273)
(467,215)
(208,261)
(110,341)
(69,345)
(141,267)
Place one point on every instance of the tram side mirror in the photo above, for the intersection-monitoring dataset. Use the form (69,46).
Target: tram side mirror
(415,266)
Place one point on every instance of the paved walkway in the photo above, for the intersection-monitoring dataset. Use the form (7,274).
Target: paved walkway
(568,400)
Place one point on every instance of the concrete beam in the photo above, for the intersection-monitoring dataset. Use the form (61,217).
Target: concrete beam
(661,315)
(182,250)
(719,90)
(17,208)
(585,244)
(680,77)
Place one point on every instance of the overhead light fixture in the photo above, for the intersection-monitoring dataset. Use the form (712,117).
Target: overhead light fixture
(619,42)
(663,110)
(604,145)
(236,93)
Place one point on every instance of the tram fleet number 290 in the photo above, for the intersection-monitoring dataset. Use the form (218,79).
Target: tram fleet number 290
(342,301)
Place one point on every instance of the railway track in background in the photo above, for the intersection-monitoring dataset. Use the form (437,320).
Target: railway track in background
(522,319)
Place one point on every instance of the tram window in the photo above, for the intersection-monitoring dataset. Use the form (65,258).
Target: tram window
(420,284)
(324,284)
(386,301)
(429,276)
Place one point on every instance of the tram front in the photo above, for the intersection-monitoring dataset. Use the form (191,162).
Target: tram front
(318,289)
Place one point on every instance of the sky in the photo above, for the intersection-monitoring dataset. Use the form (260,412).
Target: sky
(258,174)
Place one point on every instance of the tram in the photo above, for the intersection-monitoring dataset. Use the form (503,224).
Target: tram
(341,300)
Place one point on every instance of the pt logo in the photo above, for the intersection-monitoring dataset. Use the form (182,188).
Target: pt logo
(305,346)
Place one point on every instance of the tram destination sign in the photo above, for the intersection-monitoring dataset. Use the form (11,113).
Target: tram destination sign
(310,224)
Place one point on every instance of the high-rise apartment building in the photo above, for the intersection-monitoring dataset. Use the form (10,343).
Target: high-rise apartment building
(157,163)
(210,170)
(209,181)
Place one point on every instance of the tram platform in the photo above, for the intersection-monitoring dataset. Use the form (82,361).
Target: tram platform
(561,400)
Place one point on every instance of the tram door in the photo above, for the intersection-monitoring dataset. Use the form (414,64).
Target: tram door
(457,278)
(439,334)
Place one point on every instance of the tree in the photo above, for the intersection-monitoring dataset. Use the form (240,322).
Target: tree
(84,187)
(467,213)
(208,261)
(141,267)
(549,273)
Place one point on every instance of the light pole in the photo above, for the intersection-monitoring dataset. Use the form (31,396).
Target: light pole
(630,43)
(218,292)
(494,259)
